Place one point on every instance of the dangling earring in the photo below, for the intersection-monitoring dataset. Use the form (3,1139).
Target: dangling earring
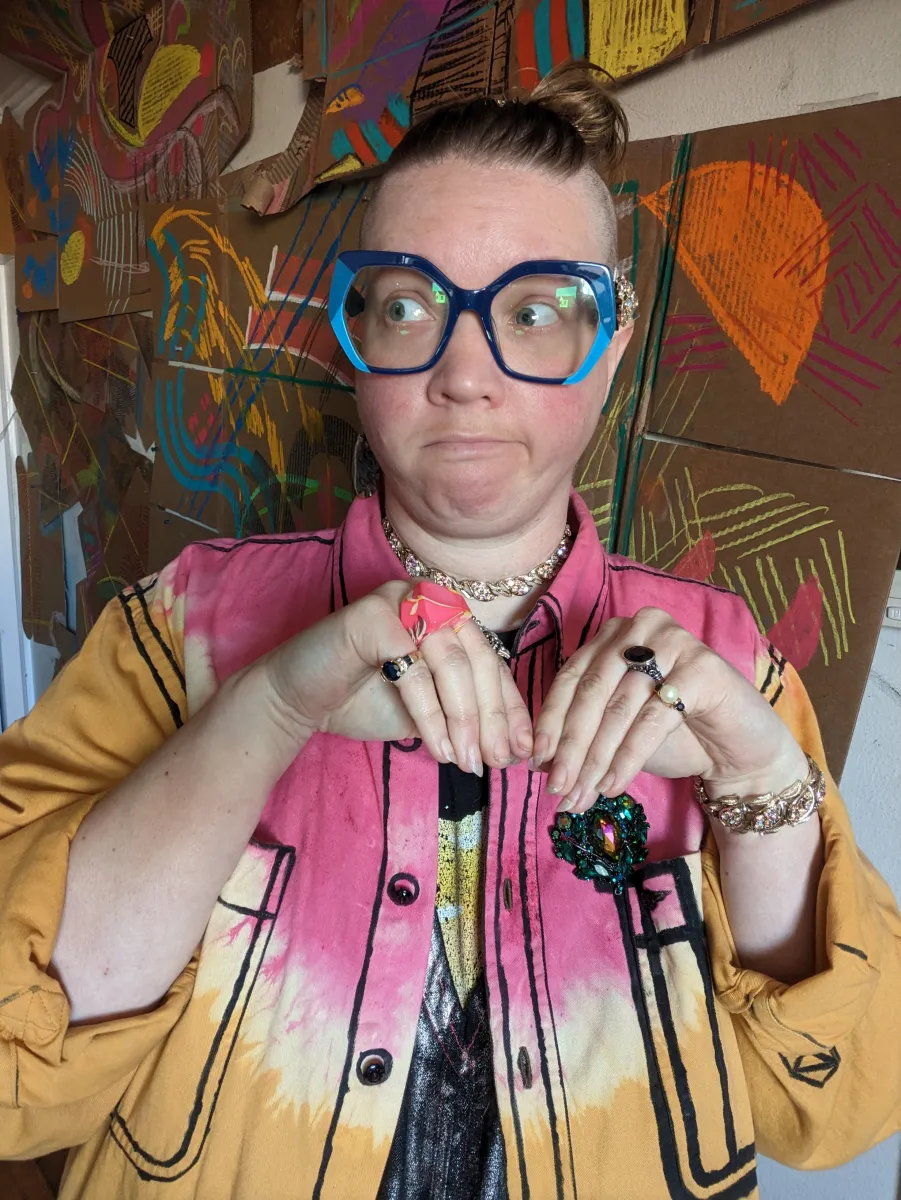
(366,468)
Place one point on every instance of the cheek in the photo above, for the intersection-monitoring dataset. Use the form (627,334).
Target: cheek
(386,403)
(566,417)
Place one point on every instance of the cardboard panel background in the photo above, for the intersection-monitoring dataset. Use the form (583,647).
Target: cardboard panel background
(189,384)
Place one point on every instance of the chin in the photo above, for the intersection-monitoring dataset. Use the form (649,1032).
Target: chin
(482,499)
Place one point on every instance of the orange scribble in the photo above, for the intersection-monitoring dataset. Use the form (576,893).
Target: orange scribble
(740,222)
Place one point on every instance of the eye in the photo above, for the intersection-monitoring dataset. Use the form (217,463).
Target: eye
(535,315)
(405,308)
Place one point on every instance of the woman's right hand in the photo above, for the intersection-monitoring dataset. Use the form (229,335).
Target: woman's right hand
(460,697)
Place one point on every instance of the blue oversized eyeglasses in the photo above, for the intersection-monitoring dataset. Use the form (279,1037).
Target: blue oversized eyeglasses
(546,321)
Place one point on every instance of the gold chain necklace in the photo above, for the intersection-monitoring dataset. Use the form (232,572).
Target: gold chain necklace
(480,589)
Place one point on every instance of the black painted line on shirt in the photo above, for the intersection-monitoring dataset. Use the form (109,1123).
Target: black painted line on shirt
(695,928)
(851,950)
(666,1134)
(505,993)
(700,1174)
(174,710)
(341,578)
(118,1123)
(672,578)
(556,615)
(550,1008)
(344,1086)
(530,685)
(269,539)
(141,593)
(533,991)
(583,636)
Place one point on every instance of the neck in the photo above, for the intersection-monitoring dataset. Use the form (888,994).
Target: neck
(491,556)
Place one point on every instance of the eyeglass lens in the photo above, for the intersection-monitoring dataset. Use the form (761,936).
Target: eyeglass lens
(544,325)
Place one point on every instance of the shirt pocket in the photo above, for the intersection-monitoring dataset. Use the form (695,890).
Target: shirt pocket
(697,1085)
(163,1120)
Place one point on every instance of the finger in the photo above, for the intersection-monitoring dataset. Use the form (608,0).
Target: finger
(593,693)
(519,722)
(653,724)
(494,731)
(622,708)
(452,672)
(416,689)
(550,721)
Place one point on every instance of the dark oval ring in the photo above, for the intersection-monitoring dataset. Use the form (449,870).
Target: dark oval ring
(642,658)
(395,668)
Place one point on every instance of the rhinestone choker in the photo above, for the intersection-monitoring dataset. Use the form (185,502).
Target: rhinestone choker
(480,589)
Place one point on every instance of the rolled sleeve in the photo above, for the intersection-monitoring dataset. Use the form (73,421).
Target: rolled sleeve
(822,1057)
(111,707)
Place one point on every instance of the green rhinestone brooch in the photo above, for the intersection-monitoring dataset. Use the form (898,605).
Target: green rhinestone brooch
(604,844)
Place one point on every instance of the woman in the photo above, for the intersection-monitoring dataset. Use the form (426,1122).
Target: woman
(268,966)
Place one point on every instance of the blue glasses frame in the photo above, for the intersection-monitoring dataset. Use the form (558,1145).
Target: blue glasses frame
(477,300)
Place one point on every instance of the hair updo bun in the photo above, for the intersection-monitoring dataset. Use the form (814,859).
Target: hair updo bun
(576,94)
(570,120)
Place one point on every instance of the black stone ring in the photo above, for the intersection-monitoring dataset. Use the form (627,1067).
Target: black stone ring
(641,658)
(395,668)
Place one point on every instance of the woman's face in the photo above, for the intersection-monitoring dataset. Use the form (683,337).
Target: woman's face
(463,447)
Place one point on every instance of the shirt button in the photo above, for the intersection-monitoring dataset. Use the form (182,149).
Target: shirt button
(403,889)
(373,1067)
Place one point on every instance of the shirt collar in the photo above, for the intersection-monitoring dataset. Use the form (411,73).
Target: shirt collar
(572,607)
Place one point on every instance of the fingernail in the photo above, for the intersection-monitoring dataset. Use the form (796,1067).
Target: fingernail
(563,806)
(447,750)
(475,762)
(502,751)
(524,745)
(573,798)
(555,782)
(606,783)
(539,751)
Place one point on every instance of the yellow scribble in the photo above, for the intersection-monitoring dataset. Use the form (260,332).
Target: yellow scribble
(71,260)
(749,596)
(838,595)
(823,647)
(787,538)
(827,607)
(766,590)
(168,73)
(630,36)
(841,546)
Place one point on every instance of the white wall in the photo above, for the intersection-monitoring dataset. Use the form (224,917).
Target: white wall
(830,53)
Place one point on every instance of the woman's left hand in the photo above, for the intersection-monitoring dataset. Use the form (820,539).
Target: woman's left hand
(602,723)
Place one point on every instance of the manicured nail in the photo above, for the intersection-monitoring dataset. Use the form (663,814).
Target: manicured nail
(574,797)
(556,781)
(475,762)
(539,751)
(447,750)
(606,783)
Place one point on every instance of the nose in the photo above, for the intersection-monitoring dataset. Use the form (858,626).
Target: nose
(466,371)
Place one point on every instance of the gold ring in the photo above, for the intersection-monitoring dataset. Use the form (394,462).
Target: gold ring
(395,668)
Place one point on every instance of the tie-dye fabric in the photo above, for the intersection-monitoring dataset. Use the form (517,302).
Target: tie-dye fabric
(633,1057)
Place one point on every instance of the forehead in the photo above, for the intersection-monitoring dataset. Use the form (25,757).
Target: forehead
(475,221)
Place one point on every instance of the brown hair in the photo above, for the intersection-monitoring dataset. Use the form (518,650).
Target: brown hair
(570,120)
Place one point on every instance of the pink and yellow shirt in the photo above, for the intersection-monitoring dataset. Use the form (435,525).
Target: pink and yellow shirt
(634,1058)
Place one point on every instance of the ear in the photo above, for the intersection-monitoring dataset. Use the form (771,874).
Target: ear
(614,353)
